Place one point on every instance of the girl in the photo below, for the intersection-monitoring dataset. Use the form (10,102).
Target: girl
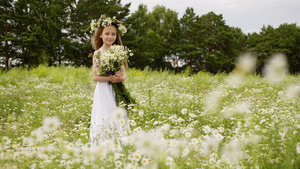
(107,33)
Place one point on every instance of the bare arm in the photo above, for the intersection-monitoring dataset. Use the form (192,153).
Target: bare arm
(98,78)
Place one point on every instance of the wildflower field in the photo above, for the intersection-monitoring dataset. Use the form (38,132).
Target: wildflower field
(180,121)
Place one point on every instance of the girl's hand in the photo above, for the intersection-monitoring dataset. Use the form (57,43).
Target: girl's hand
(118,77)
(119,73)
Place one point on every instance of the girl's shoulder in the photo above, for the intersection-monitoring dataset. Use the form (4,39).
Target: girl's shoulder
(99,51)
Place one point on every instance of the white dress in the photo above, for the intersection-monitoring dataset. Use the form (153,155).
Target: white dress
(104,103)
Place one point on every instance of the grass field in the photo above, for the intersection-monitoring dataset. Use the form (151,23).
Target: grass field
(180,121)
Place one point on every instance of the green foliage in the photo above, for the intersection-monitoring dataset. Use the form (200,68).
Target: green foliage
(6,27)
(57,33)
(284,39)
(149,38)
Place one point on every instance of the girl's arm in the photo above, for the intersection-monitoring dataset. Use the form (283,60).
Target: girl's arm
(98,78)
(120,76)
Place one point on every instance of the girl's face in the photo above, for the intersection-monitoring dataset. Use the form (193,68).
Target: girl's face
(109,35)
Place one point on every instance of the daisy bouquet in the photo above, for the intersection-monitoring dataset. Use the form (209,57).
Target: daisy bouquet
(109,62)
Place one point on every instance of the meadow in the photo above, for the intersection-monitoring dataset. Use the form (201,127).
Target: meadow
(180,120)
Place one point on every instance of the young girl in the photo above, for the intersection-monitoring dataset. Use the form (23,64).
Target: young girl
(107,33)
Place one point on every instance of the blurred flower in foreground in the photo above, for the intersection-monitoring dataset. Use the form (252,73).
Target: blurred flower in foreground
(209,144)
(35,136)
(6,140)
(276,68)
(233,151)
(213,99)
(50,124)
(298,148)
(293,92)
(151,144)
(118,114)
(235,79)
(246,63)
(237,109)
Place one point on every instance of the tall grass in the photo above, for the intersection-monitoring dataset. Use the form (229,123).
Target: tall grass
(204,121)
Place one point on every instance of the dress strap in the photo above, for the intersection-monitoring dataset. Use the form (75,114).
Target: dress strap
(102,51)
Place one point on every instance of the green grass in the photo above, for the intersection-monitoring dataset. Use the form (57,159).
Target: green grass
(29,96)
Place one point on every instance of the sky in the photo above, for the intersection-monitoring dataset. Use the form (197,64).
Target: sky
(249,15)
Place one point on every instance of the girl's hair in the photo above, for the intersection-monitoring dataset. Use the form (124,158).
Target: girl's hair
(97,42)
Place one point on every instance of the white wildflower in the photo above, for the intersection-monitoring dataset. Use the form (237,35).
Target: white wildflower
(221,129)
(145,161)
(137,156)
(169,161)
(137,130)
(118,164)
(132,123)
(212,160)
(206,129)
(282,132)
(180,120)
(213,155)
(219,137)
(184,111)
(127,140)
(141,113)
(185,152)
(195,141)
(188,134)
(192,115)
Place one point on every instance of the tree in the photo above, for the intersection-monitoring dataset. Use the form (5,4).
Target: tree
(190,42)
(284,39)
(6,27)
(40,26)
(208,43)
(148,35)
(221,44)
(167,25)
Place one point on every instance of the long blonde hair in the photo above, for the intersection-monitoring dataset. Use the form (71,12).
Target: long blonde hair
(97,42)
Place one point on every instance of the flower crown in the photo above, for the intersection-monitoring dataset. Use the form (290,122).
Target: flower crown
(105,21)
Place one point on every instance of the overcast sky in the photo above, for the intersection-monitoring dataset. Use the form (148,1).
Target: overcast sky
(249,15)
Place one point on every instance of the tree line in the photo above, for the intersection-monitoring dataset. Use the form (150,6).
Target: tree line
(56,32)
